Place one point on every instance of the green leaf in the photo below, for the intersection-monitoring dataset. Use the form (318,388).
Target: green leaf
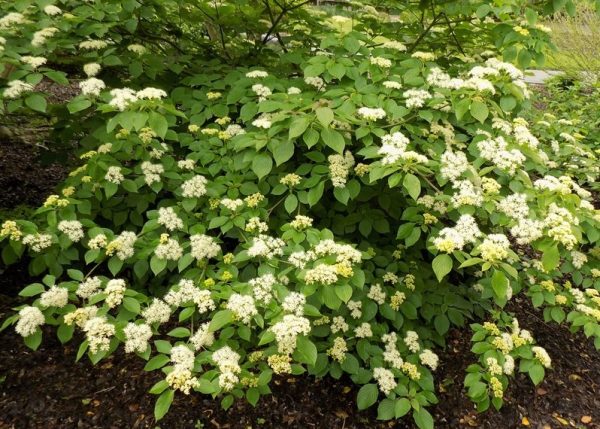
(508,103)
(325,116)
(158,123)
(479,110)
(78,104)
(401,408)
(441,323)
(385,410)
(65,333)
(34,340)
(290,203)
(220,319)
(344,292)
(367,396)
(298,126)
(262,165)
(442,265)
(179,332)
(32,290)
(157,362)
(36,102)
(423,419)
(157,265)
(412,184)
(306,351)
(163,403)
(551,258)
(131,304)
(333,139)
(283,151)
(537,373)
(500,284)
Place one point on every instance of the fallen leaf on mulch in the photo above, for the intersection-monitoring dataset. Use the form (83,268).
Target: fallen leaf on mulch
(586,419)
(525,421)
(561,420)
(541,391)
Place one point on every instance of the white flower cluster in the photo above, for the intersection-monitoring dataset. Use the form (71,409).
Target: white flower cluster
(385,379)
(157,312)
(578,259)
(137,337)
(493,67)
(114,175)
(377,294)
(494,247)
(150,93)
(204,247)
(315,81)
(152,172)
(321,273)
(371,114)
(56,296)
(363,331)
(355,308)
(384,63)
(243,307)
(203,337)
(263,121)
(122,97)
(262,287)
(442,80)
(514,206)
(38,242)
(194,187)
(123,244)
(180,378)
(92,69)
(12,19)
(527,230)
(416,97)
(34,62)
(72,229)
(266,246)
(393,149)
(287,330)
(294,303)
(558,220)
(522,134)
(339,167)
(412,341)
(91,86)
(16,88)
(115,290)
(301,222)
(429,358)
(391,354)
(257,74)
(392,84)
(542,356)
(465,231)
(170,249)
(453,164)
(227,362)
(467,195)
(262,91)
(136,48)
(496,151)
(169,219)
(88,287)
(338,324)
(98,333)
(39,37)
(187,292)
(30,319)
(92,45)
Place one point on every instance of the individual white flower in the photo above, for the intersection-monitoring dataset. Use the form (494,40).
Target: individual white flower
(56,296)
(30,319)
(137,337)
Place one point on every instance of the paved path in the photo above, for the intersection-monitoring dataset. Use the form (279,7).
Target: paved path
(540,76)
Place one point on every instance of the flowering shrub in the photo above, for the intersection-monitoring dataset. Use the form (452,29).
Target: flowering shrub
(334,215)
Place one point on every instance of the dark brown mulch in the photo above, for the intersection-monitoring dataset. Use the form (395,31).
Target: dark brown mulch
(24,178)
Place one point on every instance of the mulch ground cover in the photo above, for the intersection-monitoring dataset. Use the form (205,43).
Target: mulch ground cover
(48,389)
